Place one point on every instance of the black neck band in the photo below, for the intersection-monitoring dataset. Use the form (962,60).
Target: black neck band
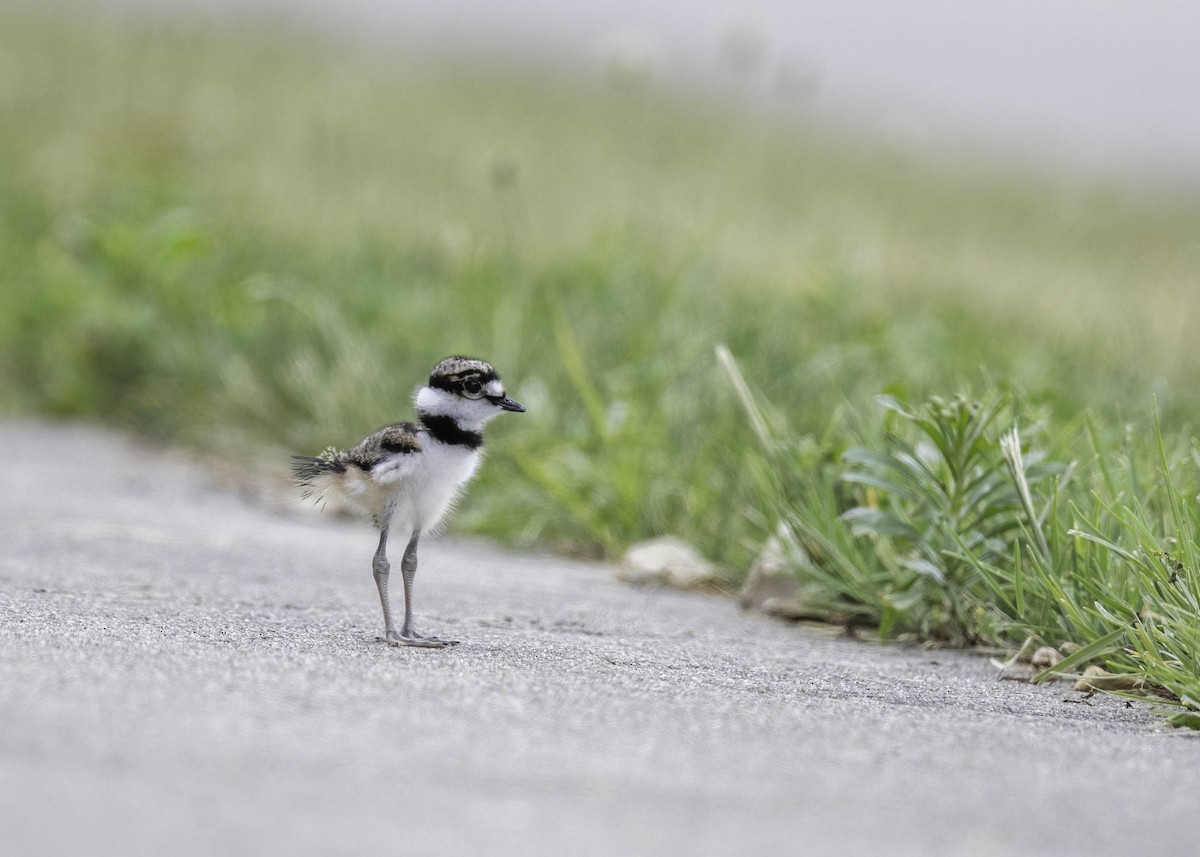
(445,430)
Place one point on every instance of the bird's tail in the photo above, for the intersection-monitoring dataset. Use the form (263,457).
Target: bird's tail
(319,475)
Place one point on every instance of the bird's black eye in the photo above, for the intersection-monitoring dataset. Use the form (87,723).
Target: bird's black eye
(472,388)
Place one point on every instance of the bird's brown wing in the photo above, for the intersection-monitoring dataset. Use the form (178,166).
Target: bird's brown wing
(389,442)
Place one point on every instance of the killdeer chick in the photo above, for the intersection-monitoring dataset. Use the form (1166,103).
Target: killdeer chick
(406,476)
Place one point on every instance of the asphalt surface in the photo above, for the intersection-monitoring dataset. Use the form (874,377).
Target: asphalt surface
(183,671)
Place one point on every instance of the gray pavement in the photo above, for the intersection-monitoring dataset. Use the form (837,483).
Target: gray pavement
(185,672)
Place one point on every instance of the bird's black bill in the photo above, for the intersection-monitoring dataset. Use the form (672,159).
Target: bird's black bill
(508,404)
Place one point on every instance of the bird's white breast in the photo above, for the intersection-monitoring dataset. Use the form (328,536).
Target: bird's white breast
(440,472)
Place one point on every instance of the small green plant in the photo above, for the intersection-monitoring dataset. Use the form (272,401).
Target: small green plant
(934,493)
(891,532)
(945,527)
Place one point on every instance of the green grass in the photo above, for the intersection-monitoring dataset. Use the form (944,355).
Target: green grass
(940,524)
(251,238)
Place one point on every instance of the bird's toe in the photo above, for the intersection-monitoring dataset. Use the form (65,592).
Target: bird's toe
(416,640)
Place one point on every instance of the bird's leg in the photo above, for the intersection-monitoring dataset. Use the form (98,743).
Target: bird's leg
(408,571)
(381,568)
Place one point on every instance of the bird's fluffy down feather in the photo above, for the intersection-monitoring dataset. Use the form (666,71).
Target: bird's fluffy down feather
(363,477)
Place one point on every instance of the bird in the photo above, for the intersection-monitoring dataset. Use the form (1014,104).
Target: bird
(406,476)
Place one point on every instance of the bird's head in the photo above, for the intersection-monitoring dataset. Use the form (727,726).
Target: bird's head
(468,390)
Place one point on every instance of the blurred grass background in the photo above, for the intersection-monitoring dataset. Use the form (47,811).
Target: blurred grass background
(255,239)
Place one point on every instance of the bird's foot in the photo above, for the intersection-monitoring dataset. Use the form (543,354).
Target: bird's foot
(412,638)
